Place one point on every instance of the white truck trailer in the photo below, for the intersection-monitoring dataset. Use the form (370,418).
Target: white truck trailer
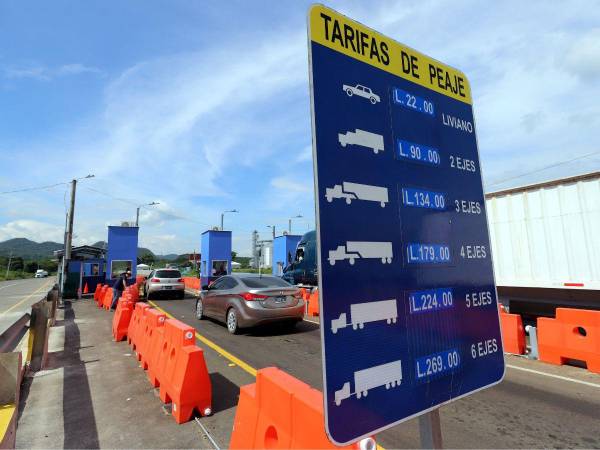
(388,375)
(361,313)
(357,191)
(546,244)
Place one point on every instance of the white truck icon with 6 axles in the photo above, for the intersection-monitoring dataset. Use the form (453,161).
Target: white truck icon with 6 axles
(356,191)
(388,375)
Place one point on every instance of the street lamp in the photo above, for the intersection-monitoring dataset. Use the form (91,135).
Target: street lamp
(137,213)
(273,228)
(223,215)
(299,216)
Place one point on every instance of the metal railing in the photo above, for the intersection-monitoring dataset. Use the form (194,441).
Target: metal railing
(37,322)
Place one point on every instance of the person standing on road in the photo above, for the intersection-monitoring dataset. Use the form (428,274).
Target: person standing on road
(118,287)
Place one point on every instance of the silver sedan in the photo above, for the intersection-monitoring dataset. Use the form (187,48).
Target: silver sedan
(166,282)
(247,300)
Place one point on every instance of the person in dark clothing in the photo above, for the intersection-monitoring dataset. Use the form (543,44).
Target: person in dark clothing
(118,287)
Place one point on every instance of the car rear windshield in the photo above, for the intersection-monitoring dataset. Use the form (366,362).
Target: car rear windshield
(265,282)
(168,274)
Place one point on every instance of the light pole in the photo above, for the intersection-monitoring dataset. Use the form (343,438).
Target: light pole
(137,212)
(299,216)
(273,228)
(223,215)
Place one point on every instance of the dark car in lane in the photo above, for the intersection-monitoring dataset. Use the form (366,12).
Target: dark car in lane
(248,300)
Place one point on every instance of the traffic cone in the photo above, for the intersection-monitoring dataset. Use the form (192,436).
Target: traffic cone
(85,289)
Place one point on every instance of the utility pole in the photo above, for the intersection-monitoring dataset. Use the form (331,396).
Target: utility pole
(137,212)
(299,216)
(8,267)
(69,242)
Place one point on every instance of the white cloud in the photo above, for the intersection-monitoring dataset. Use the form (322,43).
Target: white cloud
(290,185)
(33,230)
(44,73)
(305,155)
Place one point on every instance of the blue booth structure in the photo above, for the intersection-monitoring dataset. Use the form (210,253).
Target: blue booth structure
(85,268)
(284,249)
(122,251)
(215,259)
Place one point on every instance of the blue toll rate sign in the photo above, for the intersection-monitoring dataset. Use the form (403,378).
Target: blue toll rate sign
(409,317)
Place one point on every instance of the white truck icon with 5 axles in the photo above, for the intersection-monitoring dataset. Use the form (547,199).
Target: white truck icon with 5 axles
(367,312)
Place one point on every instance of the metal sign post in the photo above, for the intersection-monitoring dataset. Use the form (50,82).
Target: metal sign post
(409,317)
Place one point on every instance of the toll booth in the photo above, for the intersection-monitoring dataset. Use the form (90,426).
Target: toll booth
(284,249)
(122,251)
(85,268)
(215,259)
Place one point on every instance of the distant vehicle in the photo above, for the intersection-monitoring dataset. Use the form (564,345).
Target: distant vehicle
(165,282)
(247,300)
(40,273)
(362,313)
(388,375)
(362,138)
(361,91)
(356,191)
(303,269)
(143,270)
(359,250)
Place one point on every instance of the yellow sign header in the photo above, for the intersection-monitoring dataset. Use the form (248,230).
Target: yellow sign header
(333,30)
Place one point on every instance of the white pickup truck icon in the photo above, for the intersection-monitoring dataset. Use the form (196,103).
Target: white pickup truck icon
(388,375)
(362,138)
(356,191)
(356,250)
(361,91)
(362,313)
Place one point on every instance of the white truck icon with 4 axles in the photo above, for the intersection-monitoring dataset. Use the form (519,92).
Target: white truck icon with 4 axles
(362,138)
(367,312)
(388,375)
(356,191)
(359,250)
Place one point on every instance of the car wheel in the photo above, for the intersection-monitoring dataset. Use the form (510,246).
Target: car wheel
(232,322)
(199,309)
(349,92)
(373,101)
(147,295)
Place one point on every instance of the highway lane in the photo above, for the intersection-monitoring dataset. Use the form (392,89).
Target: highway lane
(526,410)
(17,296)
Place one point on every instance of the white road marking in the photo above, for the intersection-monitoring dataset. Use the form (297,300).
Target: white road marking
(312,321)
(9,285)
(551,375)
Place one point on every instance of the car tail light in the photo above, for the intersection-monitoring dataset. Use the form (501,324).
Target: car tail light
(251,297)
(180,280)
(155,280)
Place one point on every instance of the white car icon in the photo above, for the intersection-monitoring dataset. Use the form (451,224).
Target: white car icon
(361,91)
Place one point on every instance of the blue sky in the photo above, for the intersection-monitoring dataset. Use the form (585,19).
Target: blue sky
(204,107)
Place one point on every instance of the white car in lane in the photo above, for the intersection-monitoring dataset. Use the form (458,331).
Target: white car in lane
(361,91)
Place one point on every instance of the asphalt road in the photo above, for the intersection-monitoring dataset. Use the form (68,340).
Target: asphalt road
(537,405)
(17,296)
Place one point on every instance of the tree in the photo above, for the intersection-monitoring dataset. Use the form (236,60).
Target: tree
(233,255)
(16,264)
(31,267)
(147,258)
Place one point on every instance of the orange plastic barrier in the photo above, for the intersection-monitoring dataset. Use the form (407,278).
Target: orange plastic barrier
(139,279)
(100,298)
(513,333)
(280,411)
(135,325)
(153,319)
(182,373)
(122,319)
(573,334)
(97,292)
(313,303)
(191,282)
(107,299)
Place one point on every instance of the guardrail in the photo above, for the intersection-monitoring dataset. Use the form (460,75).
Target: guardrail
(12,369)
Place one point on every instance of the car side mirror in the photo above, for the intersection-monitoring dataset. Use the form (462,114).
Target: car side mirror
(205,287)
